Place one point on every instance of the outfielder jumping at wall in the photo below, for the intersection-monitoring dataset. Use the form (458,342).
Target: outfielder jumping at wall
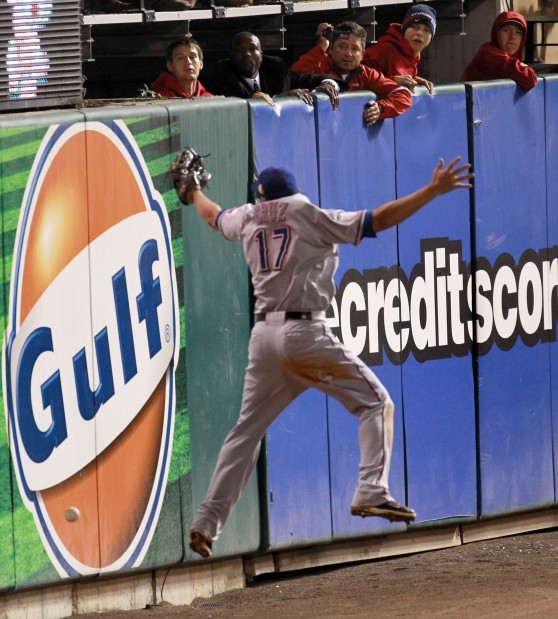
(291,248)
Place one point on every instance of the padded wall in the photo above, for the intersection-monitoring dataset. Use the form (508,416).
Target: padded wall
(438,393)
(25,561)
(357,171)
(515,431)
(296,467)
(149,126)
(551,134)
(312,451)
(217,308)
(19,139)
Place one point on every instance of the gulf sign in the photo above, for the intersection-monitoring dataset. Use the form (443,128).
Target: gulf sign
(91,348)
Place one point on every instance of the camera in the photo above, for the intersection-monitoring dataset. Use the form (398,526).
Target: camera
(331,33)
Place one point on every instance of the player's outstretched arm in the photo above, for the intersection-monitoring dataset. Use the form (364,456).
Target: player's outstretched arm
(207,209)
(444,180)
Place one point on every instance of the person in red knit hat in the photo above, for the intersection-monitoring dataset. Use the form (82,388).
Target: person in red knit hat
(501,58)
(397,53)
(181,76)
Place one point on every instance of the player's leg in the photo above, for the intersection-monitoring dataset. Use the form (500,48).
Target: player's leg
(342,375)
(266,393)
(362,394)
(375,438)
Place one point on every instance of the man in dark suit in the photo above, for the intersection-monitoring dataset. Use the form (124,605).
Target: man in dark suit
(249,74)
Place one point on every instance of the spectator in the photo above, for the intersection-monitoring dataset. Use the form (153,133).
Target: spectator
(180,78)
(501,58)
(397,53)
(249,74)
(342,59)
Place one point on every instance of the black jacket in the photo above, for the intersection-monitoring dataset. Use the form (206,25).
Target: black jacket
(274,79)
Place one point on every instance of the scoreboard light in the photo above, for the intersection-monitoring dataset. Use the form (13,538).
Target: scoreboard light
(40,53)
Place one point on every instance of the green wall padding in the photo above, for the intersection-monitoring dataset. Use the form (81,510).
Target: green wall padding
(217,305)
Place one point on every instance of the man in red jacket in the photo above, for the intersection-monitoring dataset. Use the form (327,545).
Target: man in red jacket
(180,78)
(501,58)
(342,57)
(397,53)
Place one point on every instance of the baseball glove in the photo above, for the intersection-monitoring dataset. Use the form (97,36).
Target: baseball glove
(188,172)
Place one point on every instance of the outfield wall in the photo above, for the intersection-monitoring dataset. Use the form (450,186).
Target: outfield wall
(126,322)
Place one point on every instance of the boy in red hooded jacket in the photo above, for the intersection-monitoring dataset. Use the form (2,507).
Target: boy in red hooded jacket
(397,53)
(501,58)
(181,77)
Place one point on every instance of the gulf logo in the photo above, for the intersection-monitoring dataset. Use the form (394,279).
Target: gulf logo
(91,348)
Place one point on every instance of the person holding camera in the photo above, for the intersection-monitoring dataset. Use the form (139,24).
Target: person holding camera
(338,52)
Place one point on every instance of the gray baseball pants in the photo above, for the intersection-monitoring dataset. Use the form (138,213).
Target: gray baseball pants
(286,357)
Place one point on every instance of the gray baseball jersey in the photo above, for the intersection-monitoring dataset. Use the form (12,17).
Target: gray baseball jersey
(291,249)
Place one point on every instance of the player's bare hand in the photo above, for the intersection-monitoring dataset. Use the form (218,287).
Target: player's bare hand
(405,80)
(445,179)
(371,113)
(331,92)
(264,96)
(426,83)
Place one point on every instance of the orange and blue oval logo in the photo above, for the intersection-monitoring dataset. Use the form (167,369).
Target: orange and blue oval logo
(91,348)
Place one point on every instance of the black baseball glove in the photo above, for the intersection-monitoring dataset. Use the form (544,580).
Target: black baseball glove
(188,172)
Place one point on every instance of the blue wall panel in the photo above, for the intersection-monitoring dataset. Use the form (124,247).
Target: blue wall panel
(515,431)
(357,171)
(551,132)
(297,449)
(297,479)
(284,135)
(438,394)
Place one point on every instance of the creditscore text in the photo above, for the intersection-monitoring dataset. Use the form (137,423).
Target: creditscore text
(446,305)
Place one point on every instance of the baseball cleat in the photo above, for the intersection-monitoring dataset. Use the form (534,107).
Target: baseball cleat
(392,511)
(200,543)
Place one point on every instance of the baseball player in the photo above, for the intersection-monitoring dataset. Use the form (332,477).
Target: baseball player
(291,248)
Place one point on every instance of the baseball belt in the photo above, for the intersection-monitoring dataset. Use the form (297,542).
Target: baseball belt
(288,316)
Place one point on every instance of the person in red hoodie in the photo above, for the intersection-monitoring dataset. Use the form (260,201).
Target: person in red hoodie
(339,54)
(180,78)
(501,58)
(397,53)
